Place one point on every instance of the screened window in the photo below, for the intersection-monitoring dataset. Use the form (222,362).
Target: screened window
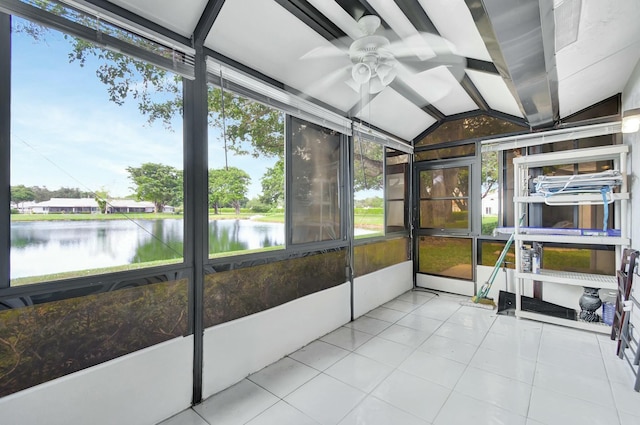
(599,260)
(397,212)
(246,175)
(446,153)
(446,256)
(444,198)
(489,253)
(469,128)
(96,181)
(316,175)
(368,188)
(490,192)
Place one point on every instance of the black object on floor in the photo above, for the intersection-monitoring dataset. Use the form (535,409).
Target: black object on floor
(507,306)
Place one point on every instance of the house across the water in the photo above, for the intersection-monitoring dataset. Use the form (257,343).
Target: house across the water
(88,206)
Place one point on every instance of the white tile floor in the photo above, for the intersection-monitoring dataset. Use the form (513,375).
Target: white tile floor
(425,359)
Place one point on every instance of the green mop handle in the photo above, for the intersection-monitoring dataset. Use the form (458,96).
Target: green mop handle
(484,289)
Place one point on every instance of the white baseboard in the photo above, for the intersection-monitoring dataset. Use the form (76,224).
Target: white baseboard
(379,287)
(235,349)
(140,388)
(455,286)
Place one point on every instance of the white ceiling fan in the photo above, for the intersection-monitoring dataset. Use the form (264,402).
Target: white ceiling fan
(379,56)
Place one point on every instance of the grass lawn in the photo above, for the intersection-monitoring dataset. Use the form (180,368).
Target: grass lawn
(136,216)
(85,217)
(90,272)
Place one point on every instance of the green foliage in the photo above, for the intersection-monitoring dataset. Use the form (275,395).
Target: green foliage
(368,211)
(88,216)
(489,172)
(368,165)
(273,184)
(256,206)
(260,208)
(250,128)
(374,202)
(21,194)
(228,187)
(157,183)
(489,223)
(101,197)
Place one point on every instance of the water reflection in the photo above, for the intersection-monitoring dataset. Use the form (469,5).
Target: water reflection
(48,247)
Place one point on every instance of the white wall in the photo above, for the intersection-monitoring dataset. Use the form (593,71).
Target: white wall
(504,281)
(144,387)
(247,345)
(631,100)
(235,349)
(375,289)
(455,286)
(155,383)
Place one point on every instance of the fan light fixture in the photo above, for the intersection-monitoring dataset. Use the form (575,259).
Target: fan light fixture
(361,73)
(373,64)
(631,120)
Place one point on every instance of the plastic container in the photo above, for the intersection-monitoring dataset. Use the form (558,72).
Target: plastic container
(526,259)
(608,308)
(535,263)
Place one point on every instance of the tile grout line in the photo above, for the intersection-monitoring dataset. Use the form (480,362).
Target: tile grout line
(467,366)
(606,371)
(393,368)
(535,369)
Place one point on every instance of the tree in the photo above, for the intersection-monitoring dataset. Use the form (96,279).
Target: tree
(367,164)
(157,183)
(41,193)
(228,187)
(101,197)
(273,184)
(21,194)
(489,172)
(70,192)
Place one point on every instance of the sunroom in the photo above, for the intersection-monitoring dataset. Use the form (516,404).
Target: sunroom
(356,211)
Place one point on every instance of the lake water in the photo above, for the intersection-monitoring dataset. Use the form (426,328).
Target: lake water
(47,247)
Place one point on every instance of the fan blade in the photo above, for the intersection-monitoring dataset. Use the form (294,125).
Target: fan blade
(342,74)
(456,64)
(323,52)
(423,45)
(338,47)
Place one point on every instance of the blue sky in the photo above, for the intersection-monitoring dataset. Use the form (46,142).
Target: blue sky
(66,132)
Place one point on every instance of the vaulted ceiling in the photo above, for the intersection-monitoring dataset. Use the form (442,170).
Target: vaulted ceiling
(530,61)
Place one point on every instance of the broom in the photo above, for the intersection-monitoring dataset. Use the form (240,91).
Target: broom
(480,299)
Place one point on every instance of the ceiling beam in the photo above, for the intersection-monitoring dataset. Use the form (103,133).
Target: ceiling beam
(548,26)
(474,93)
(139,20)
(417,16)
(358,8)
(520,45)
(205,23)
(414,11)
(312,17)
(410,94)
(482,66)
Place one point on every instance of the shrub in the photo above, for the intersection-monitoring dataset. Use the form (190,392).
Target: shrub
(260,208)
